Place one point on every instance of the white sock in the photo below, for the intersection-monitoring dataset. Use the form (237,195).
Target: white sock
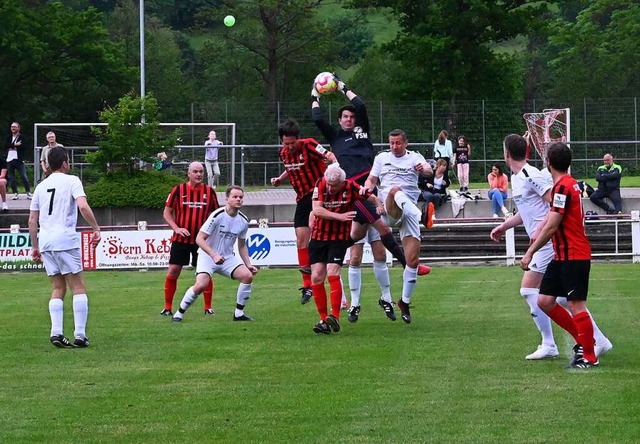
(56,312)
(401,199)
(355,282)
(242,296)
(540,318)
(189,298)
(381,271)
(409,277)
(504,211)
(80,314)
(344,295)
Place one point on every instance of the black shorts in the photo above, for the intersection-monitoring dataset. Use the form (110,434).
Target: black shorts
(568,279)
(327,252)
(180,254)
(303,210)
(366,212)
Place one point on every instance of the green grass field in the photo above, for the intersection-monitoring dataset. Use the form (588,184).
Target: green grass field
(456,374)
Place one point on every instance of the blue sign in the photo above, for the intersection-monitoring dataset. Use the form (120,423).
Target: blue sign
(259,246)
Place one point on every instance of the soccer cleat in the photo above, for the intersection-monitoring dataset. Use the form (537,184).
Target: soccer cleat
(405,310)
(61,341)
(584,364)
(209,312)
(244,317)
(345,305)
(29,196)
(543,352)
(307,294)
(81,342)
(428,210)
(577,354)
(388,308)
(166,312)
(333,323)
(603,347)
(322,327)
(354,312)
(423,270)
(16,196)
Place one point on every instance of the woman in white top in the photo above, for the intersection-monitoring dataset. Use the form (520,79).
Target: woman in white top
(442,148)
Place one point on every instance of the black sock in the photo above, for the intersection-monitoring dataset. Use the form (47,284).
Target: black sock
(394,248)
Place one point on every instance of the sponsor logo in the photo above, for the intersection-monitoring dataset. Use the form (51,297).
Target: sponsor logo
(259,246)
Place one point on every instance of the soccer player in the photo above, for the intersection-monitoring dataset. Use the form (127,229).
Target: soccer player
(333,201)
(187,207)
(532,195)
(352,147)
(396,174)
(567,275)
(55,205)
(305,161)
(216,239)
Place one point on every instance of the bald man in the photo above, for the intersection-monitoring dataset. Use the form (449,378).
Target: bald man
(187,208)
(608,177)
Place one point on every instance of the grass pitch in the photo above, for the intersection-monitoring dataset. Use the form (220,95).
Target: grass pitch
(456,374)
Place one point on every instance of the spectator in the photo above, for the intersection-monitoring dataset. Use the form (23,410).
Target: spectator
(608,177)
(162,163)
(498,184)
(211,159)
(434,188)
(461,160)
(3,184)
(44,154)
(15,155)
(442,148)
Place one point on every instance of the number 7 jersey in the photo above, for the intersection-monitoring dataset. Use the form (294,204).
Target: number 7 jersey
(55,199)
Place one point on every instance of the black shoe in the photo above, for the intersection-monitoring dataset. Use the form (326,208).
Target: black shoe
(354,312)
(577,354)
(307,294)
(244,317)
(176,319)
(209,312)
(333,322)
(166,312)
(404,309)
(322,327)
(80,342)
(61,341)
(388,308)
(584,364)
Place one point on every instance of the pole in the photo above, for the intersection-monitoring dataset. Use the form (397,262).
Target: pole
(142,85)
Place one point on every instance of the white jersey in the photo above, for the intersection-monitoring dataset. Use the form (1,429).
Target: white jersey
(528,186)
(224,230)
(392,171)
(55,199)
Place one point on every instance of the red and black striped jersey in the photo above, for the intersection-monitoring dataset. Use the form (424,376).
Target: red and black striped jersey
(340,202)
(570,241)
(191,208)
(305,165)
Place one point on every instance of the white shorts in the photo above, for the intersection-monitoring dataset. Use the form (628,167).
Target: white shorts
(206,265)
(62,262)
(409,222)
(371,236)
(542,258)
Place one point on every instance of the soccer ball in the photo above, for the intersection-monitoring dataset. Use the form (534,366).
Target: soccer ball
(325,83)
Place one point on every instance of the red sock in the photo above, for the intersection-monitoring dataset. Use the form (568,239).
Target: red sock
(336,295)
(170,285)
(208,295)
(563,318)
(320,298)
(303,262)
(585,334)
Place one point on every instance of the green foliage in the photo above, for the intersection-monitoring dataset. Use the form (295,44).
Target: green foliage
(144,189)
(125,141)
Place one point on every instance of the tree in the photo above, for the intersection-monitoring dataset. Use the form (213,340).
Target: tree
(62,68)
(125,140)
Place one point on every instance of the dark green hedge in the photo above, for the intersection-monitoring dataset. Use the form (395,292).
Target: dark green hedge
(144,189)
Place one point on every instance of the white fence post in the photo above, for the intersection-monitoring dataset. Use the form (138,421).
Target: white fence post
(510,239)
(635,236)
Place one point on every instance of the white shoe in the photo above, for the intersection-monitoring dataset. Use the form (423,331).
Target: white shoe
(16,196)
(544,352)
(29,196)
(603,347)
(495,216)
(5,207)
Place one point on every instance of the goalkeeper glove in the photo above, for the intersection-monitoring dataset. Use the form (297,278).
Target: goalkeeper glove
(342,87)
(315,95)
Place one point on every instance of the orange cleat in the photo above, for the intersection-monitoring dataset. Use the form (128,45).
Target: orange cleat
(423,270)
(428,211)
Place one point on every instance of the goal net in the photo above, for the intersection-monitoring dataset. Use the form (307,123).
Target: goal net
(79,140)
(545,128)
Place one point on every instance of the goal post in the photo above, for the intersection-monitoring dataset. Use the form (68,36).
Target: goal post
(549,126)
(79,139)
